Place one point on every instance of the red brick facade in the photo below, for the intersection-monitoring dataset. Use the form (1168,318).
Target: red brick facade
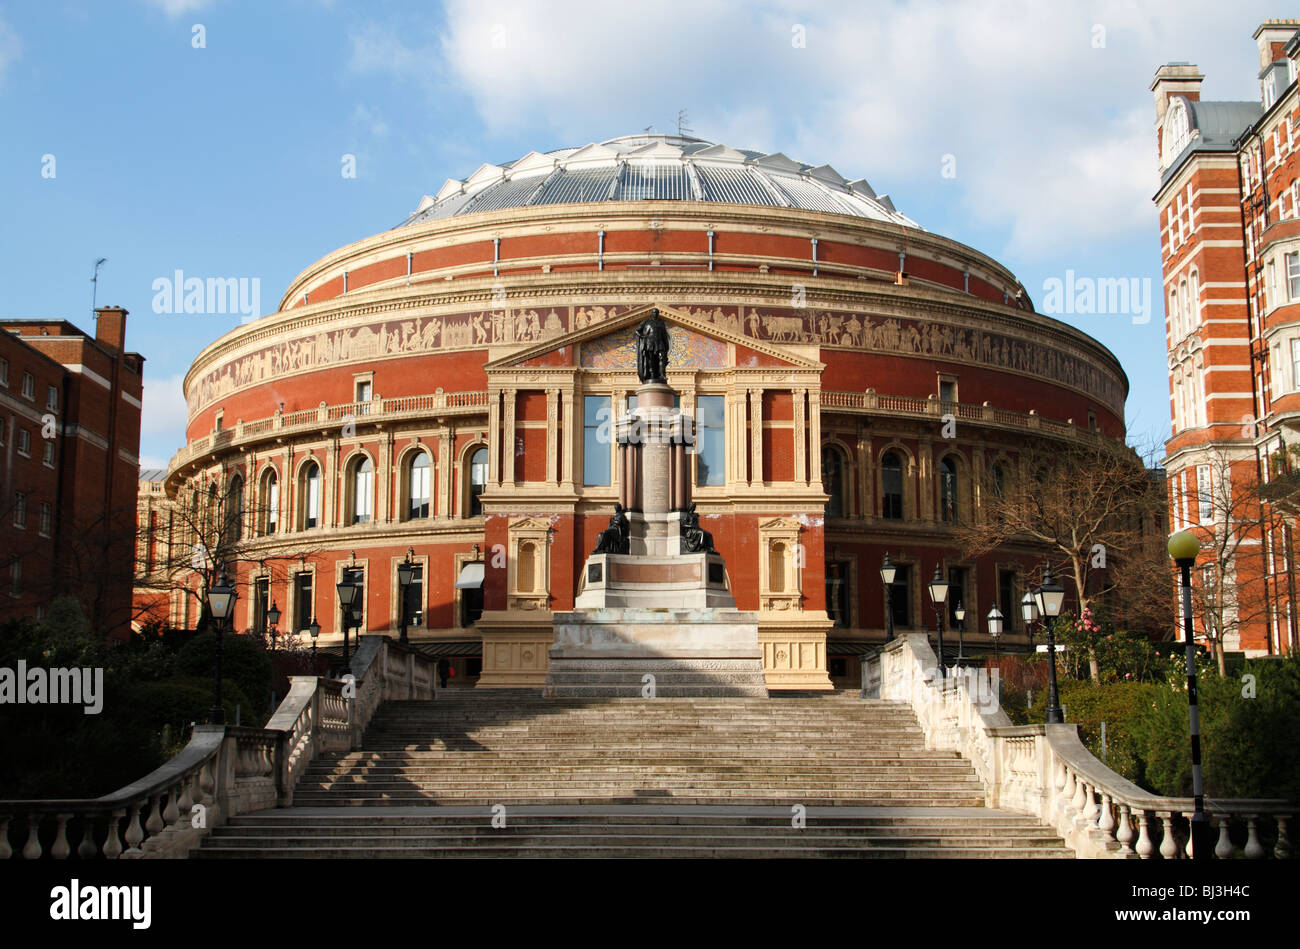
(70,415)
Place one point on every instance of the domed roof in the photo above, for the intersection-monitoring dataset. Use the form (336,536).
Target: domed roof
(657,168)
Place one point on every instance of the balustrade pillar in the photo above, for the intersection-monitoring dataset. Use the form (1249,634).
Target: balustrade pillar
(59,850)
(1145,846)
(1254,849)
(1168,843)
(1224,848)
(32,849)
(1282,850)
(1125,831)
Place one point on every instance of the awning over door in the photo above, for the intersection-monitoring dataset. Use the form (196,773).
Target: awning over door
(471,576)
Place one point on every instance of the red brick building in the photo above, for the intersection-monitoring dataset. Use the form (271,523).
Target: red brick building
(1230,241)
(440,391)
(69,444)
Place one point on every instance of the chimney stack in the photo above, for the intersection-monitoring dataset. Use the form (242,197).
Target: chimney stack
(110,327)
(1175,79)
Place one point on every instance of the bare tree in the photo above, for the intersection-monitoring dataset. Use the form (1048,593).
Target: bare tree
(1087,504)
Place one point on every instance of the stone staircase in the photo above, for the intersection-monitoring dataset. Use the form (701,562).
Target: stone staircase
(606,777)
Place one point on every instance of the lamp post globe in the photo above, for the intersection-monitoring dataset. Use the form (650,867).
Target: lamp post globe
(939,597)
(1183,547)
(1049,597)
(347,591)
(887,574)
(959,613)
(995,628)
(221,603)
(405,573)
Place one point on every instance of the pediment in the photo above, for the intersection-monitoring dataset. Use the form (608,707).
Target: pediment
(699,338)
(781,524)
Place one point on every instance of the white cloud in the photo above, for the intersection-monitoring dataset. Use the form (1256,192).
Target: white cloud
(11,49)
(1052,133)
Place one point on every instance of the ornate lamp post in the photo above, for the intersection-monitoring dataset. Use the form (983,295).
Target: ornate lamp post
(347,597)
(995,628)
(1183,548)
(273,620)
(939,597)
(1029,613)
(314,629)
(960,613)
(405,571)
(221,603)
(887,573)
(1049,598)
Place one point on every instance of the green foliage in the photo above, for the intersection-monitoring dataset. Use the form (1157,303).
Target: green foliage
(1248,748)
(244,660)
(155,685)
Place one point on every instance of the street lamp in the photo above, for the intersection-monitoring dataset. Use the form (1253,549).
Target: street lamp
(887,573)
(347,597)
(1049,598)
(273,620)
(995,628)
(405,571)
(1183,548)
(939,596)
(221,603)
(314,629)
(960,613)
(1029,612)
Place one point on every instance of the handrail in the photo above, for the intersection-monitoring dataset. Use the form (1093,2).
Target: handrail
(1045,770)
(224,770)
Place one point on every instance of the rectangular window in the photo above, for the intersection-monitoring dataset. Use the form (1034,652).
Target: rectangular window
(4,373)
(20,510)
(1008,606)
(304,610)
(597,435)
(261,603)
(1205,509)
(947,390)
(357,577)
(47,454)
(900,596)
(364,390)
(16,577)
(52,398)
(24,443)
(710,440)
(272,504)
(957,597)
(1295,364)
(1293,276)
(415,597)
(29,386)
(419,487)
(837,593)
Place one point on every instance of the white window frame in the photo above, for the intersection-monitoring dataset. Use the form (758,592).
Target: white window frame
(1204,495)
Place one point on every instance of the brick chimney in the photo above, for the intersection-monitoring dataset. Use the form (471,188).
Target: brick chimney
(110,327)
(1175,79)
(1271,36)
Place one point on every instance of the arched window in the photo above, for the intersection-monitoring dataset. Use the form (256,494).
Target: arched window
(1195,300)
(309,492)
(1173,313)
(891,487)
(478,476)
(834,480)
(270,501)
(948,490)
(363,491)
(1184,300)
(234,527)
(417,483)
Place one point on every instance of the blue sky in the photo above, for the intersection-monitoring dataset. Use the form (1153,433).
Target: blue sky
(225,160)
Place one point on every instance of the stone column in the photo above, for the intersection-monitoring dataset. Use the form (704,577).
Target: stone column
(800,437)
(567,424)
(814,436)
(508,444)
(552,436)
(444,472)
(494,437)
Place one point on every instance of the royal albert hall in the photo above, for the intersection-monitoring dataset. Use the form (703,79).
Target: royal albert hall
(442,392)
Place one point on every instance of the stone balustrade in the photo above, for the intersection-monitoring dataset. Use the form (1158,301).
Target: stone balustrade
(1045,770)
(223,771)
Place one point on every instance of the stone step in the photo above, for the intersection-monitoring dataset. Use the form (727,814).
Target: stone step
(657,851)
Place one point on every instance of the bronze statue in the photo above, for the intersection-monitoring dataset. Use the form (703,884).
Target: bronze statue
(652,349)
(695,539)
(616,538)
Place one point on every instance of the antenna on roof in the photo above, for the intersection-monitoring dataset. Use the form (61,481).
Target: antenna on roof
(648,128)
(94,279)
(682,127)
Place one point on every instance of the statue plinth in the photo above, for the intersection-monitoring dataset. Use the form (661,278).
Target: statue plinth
(654,599)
